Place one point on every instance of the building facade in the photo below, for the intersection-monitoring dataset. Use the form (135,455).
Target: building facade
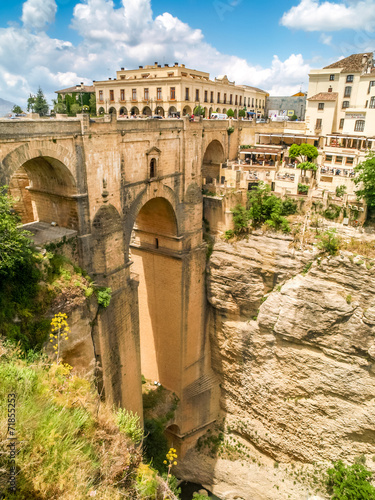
(174,91)
(287,106)
(341,112)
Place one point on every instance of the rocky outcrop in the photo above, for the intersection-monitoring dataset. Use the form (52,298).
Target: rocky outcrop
(294,351)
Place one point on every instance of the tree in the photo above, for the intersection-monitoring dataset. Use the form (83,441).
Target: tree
(15,246)
(31,103)
(230,113)
(199,111)
(306,153)
(242,113)
(40,103)
(75,108)
(17,110)
(365,178)
(92,104)
(59,106)
(293,118)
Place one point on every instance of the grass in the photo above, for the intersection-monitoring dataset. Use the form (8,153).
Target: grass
(69,442)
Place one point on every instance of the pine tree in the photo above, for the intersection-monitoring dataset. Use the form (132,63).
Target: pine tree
(40,105)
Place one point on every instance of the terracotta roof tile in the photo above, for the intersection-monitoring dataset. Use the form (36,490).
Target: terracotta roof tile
(76,88)
(324,96)
(352,63)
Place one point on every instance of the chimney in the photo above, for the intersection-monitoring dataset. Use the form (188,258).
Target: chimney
(182,65)
(166,65)
(109,78)
(81,83)
(122,69)
(159,65)
(176,63)
(156,63)
(140,67)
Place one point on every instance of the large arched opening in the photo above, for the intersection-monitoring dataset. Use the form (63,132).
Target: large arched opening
(213,156)
(147,111)
(186,111)
(154,252)
(159,111)
(123,111)
(45,191)
(134,111)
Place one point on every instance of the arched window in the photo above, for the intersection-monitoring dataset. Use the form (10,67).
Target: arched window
(152,168)
(359,126)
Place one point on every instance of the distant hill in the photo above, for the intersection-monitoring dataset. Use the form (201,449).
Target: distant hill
(5,107)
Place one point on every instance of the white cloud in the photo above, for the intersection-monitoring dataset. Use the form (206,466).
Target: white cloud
(37,13)
(125,37)
(313,15)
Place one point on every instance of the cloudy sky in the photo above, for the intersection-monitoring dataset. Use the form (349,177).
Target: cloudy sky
(271,44)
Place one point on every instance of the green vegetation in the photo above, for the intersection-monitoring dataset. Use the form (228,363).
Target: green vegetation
(340,190)
(199,111)
(129,424)
(242,113)
(17,110)
(332,212)
(365,178)
(303,188)
(230,130)
(329,241)
(346,482)
(230,113)
(263,207)
(293,118)
(103,296)
(306,154)
(38,103)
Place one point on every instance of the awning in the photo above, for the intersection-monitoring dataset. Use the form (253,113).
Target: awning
(362,138)
(258,151)
(289,136)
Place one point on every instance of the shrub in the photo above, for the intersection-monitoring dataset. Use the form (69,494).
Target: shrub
(349,482)
(104,296)
(329,242)
(303,188)
(129,423)
(230,113)
(340,190)
(230,130)
(332,212)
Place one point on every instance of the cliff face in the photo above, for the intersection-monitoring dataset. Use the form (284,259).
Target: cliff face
(302,374)
(294,352)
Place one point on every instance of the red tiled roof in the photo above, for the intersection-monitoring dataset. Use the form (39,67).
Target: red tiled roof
(77,88)
(324,96)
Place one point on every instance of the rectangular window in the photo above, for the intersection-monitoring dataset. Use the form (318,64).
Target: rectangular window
(256,103)
(206,96)
(158,93)
(371,84)
(236,100)
(173,92)
(349,161)
(348,92)
(225,98)
(331,78)
(244,101)
(122,94)
(196,94)
(134,94)
(111,95)
(187,94)
(328,158)
(231,99)
(240,100)
(359,126)
(372,102)
(218,97)
(321,105)
(345,104)
(349,78)
(318,124)
(252,102)
(338,159)
(101,95)
(341,123)
(212,97)
(146,95)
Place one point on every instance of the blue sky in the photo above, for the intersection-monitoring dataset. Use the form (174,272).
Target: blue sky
(269,44)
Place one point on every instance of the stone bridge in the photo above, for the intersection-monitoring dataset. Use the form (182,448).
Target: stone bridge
(132,191)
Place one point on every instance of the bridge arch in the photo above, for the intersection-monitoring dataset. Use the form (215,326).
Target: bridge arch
(43,182)
(214,154)
(155,259)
